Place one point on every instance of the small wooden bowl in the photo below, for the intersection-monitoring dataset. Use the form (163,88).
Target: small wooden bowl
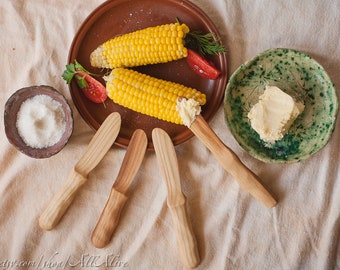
(12,107)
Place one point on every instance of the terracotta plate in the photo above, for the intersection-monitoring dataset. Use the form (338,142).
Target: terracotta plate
(117,17)
(12,107)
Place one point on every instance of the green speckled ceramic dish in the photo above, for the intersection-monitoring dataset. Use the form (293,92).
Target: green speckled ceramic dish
(300,76)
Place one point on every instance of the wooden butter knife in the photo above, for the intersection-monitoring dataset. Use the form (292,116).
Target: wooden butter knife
(109,218)
(167,159)
(95,151)
(230,162)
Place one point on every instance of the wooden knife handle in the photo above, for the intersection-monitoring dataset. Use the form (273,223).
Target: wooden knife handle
(231,163)
(109,219)
(61,201)
(185,238)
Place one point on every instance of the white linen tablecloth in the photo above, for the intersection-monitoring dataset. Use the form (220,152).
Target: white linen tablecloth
(233,230)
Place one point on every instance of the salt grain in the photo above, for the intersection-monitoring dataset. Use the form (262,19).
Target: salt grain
(41,121)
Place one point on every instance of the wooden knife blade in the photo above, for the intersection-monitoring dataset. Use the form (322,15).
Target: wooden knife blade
(167,159)
(109,218)
(94,153)
(231,163)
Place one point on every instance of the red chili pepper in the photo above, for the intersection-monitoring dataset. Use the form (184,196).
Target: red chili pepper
(201,66)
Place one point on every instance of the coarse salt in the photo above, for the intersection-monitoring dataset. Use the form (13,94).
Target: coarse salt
(41,121)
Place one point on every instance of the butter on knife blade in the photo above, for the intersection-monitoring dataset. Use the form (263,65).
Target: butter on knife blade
(224,155)
(95,151)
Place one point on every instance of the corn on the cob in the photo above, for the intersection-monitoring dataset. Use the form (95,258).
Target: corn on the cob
(148,95)
(152,45)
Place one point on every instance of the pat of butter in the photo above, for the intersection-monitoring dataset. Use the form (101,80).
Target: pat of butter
(273,115)
(188,109)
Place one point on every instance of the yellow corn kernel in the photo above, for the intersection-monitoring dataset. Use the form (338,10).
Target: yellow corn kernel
(148,95)
(152,45)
